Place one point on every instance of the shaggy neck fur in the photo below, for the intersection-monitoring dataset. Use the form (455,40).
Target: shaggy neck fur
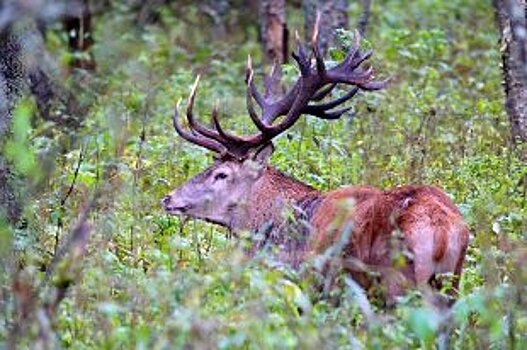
(275,192)
(266,218)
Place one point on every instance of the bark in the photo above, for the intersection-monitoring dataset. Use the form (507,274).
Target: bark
(9,204)
(274,30)
(25,67)
(11,85)
(512,20)
(54,102)
(333,16)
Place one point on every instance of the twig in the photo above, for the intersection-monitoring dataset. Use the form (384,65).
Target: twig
(71,240)
(75,175)
(65,198)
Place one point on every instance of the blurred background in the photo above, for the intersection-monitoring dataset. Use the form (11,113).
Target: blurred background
(87,91)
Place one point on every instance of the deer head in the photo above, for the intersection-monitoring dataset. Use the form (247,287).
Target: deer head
(220,193)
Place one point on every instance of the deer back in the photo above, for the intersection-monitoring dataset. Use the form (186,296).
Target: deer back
(417,223)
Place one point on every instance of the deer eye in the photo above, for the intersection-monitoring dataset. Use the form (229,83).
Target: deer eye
(220,176)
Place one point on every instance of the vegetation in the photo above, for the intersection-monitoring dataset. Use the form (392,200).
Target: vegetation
(148,280)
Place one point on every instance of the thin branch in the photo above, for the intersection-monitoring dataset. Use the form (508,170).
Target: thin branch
(75,176)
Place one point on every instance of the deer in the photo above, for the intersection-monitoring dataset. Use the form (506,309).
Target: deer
(243,192)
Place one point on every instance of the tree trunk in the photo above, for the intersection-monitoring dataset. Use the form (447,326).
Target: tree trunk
(78,26)
(512,20)
(12,75)
(274,30)
(333,16)
(24,67)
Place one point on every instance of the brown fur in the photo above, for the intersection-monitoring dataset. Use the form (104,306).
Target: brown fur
(375,215)
(273,191)
(406,235)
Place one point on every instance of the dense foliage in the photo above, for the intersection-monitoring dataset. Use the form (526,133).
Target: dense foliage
(153,281)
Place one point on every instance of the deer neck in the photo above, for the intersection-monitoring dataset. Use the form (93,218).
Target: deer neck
(270,196)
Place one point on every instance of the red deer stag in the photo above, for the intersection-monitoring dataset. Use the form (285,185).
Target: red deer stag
(243,192)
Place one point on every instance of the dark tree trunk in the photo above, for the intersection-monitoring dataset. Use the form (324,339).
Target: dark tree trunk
(12,75)
(333,16)
(274,30)
(54,102)
(78,26)
(512,21)
(9,205)
(24,67)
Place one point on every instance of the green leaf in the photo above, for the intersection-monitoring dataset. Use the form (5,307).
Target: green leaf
(424,323)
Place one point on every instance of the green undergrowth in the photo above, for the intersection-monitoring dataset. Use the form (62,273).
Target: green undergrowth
(153,281)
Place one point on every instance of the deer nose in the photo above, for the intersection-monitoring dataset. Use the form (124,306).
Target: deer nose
(166,199)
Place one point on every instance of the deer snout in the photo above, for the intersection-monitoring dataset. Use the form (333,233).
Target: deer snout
(173,206)
(166,200)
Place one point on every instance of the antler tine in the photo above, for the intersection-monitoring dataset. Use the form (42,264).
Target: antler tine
(333,115)
(192,96)
(216,121)
(220,136)
(299,103)
(194,125)
(300,57)
(267,103)
(344,76)
(194,138)
(332,104)
(375,85)
(250,107)
(320,94)
(272,81)
(353,51)
(249,73)
(321,67)
(360,58)
(227,136)
(361,77)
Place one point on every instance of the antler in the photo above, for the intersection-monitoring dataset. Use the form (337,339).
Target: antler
(314,84)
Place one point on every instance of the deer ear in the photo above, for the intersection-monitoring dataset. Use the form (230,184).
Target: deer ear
(263,154)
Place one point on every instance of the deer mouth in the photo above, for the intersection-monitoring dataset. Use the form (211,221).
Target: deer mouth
(178,210)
